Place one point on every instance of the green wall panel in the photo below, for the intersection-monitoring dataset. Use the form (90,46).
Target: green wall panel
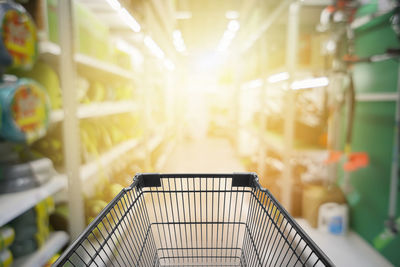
(373,133)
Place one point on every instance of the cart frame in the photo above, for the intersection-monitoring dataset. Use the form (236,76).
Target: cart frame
(154,222)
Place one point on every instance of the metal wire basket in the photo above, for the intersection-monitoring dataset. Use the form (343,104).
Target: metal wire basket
(194,220)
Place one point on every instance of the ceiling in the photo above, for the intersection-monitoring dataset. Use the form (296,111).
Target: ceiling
(204,29)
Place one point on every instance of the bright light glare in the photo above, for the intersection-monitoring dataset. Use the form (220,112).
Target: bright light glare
(229,35)
(114,4)
(310,83)
(183,15)
(254,84)
(279,77)
(124,46)
(233,26)
(125,15)
(178,41)
(129,20)
(169,64)
(177,34)
(232,14)
(331,46)
(153,47)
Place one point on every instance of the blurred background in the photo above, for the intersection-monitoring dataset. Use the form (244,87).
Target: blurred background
(305,93)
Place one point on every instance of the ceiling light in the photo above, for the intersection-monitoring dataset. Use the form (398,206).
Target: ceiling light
(178,41)
(232,14)
(183,15)
(153,47)
(254,84)
(310,83)
(278,77)
(129,20)
(124,46)
(125,15)
(114,4)
(177,34)
(229,35)
(233,25)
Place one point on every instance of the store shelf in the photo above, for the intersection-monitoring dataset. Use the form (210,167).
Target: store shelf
(56,242)
(105,109)
(56,116)
(14,204)
(88,65)
(97,110)
(348,250)
(49,51)
(92,168)
(276,143)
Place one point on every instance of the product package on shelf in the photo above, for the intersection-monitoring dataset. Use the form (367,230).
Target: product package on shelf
(50,147)
(7,236)
(102,134)
(316,195)
(93,34)
(32,228)
(45,75)
(20,170)
(6,258)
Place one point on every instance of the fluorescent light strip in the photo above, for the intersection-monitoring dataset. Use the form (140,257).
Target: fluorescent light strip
(278,77)
(114,4)
(254,84)
(229,35)
(183,15)
(178,41)
(124,46)
(125,15)
(153,47)
(310,83)
(129,20)
(233,25)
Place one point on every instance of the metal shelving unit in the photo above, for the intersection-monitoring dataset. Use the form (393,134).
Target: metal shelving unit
(14,204)
(69,64)
(90,169)
(51,52)
(284,144)
(55,243)
(99,109)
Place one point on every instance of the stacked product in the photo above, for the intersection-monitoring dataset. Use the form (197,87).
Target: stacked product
(25,106)
(100,135)
(7,236)
(32,228)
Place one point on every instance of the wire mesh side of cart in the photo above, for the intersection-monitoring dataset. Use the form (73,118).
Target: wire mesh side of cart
(194,220)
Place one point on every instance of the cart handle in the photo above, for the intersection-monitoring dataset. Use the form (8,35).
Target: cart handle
(246,179)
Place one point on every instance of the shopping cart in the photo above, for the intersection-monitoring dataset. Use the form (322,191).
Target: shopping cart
(194,220)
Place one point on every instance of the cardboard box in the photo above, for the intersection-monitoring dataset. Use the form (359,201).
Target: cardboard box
(316,195)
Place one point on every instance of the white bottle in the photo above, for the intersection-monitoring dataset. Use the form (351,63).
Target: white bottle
(333,218)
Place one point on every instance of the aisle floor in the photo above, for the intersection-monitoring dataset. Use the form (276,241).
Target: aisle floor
(207,155)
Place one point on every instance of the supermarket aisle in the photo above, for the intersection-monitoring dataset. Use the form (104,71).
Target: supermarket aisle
(203,155)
